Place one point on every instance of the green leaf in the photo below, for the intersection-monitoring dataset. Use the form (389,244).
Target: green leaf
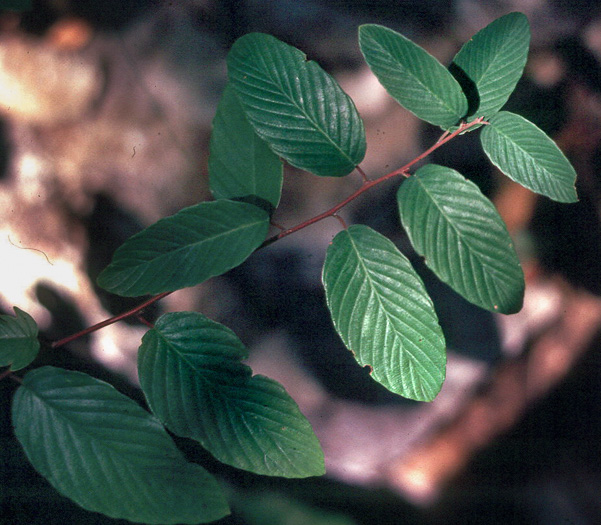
(106,453)
(19,343)
(528,156)
(197,243)
(295,106)
(240,163)
(490,64)
(413,77)
(383,313)
(191,374)
(462,237)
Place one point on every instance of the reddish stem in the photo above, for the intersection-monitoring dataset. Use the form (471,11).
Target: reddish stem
(112,320)
(362,173)
(144,321)
(367,184)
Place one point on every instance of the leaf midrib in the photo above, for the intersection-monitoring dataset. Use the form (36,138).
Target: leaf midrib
(450,224)
(292,101)
(388,317)
(442,102)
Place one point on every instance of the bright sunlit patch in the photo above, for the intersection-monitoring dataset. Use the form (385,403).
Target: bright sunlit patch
(30,171)
(21,267)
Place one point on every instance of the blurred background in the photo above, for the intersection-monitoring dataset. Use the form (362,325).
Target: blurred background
(105,118)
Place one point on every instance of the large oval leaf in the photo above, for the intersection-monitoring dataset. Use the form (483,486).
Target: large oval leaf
(191,374)
(295,106)
(19,344)
(383,313)
(490,64)
(196,243)
(413,77)
(106,453)
(462,237)
(241,165)
(527,155)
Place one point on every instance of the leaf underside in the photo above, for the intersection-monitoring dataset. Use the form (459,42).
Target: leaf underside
(527,155)
(382,312)
(191,374)
(462,237)
(183,250)
(413,77)
(106,453)
(295,106)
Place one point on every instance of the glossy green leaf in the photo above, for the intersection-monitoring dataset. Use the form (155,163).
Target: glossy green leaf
(241,165)
(383,313)
(106,453)
(490,64)
(413,77)
(528,156)
(191,374)
(295,106)
(197,243)
(19,343)
(462,237)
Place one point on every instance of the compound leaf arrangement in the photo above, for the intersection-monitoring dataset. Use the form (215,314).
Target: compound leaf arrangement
(110,455)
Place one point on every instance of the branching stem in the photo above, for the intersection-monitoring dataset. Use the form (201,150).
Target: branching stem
(368,184)
(332,212)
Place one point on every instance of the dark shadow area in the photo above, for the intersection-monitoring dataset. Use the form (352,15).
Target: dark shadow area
(468,86)
(427,16)
(568,241)
(107,15)
(547,470)
(108,227)
(5,151)
(66,319)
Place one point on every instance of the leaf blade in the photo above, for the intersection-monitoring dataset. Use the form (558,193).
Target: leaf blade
(462,237)
(107,454)
(376,301)
(191,374)
(183,250)
(295,106)
(240,163)
(19,344)
(527,155)
(413,77)
(492,62)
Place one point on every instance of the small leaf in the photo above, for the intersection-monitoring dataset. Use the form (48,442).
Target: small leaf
(413,77)
(528,156)
(490,64)
(295,106)
(383,313)
(106,453)
(191,374)
(19,343)
(240,163)
(197,243)
(462,237)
